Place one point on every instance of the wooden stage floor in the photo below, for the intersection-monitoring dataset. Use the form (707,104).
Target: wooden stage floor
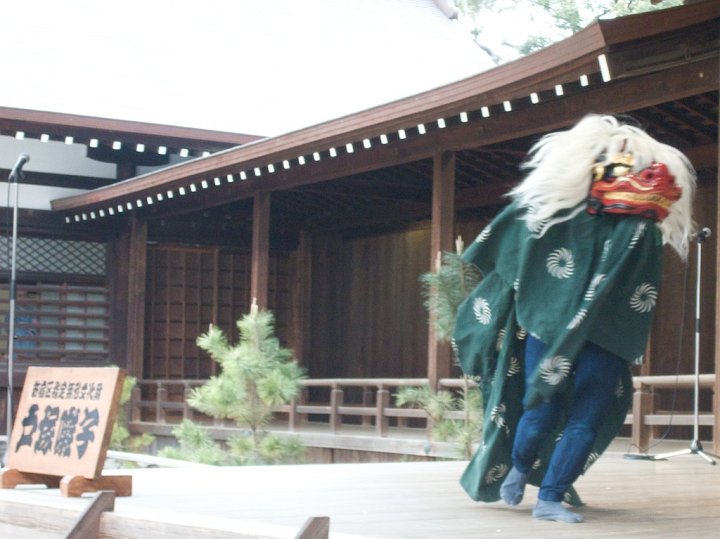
(679,497)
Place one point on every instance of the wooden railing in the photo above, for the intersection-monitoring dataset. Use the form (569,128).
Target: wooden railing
(645,416)
(165,402)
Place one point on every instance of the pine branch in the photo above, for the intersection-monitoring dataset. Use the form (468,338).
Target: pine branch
(445,289)
(256,375)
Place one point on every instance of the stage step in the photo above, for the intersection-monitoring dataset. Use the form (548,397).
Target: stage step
(30,513)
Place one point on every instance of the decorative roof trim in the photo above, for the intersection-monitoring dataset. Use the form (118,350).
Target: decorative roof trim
(574,59)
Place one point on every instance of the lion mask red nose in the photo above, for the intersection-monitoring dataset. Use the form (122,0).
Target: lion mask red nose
(648,193)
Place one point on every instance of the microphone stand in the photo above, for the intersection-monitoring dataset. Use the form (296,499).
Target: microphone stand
(696,447)
(15,175)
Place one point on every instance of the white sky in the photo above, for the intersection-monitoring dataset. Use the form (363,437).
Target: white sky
(197,63)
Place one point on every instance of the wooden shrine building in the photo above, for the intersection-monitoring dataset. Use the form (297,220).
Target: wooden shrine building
(331,226)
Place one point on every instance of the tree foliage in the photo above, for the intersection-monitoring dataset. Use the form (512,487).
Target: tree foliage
(121,439)
(548,20)
(445,289)
(465,432)
(257,374)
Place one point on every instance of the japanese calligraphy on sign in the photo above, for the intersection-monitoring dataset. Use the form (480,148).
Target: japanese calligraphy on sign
(65,419)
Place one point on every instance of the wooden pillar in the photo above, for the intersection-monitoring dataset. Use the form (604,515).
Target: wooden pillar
(137,273)
(441,239)
(260,249)
(127,268)
(124,254)
(117,273)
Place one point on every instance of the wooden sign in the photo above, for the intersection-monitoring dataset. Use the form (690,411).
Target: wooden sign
(64,420)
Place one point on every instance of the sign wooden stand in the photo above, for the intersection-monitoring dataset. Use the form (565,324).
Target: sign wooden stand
(62,431)
(70,485)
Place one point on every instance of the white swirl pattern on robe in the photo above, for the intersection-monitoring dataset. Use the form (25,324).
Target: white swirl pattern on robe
(644,298)
(560,263)
(554,370)
(482,310)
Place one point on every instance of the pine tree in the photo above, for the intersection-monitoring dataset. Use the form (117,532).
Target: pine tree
(121,439)
(437,404)
(257,374)
(444,290)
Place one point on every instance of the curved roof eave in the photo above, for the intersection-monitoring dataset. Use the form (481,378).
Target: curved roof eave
(557,64)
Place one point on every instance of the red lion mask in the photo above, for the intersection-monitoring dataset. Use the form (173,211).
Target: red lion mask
(648,193)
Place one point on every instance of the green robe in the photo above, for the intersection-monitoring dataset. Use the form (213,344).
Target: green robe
(589,278)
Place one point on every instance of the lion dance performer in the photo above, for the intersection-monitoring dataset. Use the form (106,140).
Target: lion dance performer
(571,274)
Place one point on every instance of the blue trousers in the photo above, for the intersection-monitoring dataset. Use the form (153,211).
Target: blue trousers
(597,374)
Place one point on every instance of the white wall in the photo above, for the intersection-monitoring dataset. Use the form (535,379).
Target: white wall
(53,157)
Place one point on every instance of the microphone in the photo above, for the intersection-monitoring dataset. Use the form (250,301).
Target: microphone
(16,172)
(703,234)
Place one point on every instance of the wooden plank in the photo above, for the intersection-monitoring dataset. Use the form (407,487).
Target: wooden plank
(88,524)
(24,520)
(361,382)
(625,499)
(315,528)
(678,419)
(671,380)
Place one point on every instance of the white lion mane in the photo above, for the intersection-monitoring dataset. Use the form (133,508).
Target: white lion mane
(560,167)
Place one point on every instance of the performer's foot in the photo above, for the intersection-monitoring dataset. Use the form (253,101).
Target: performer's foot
(513,488)
(554,511)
